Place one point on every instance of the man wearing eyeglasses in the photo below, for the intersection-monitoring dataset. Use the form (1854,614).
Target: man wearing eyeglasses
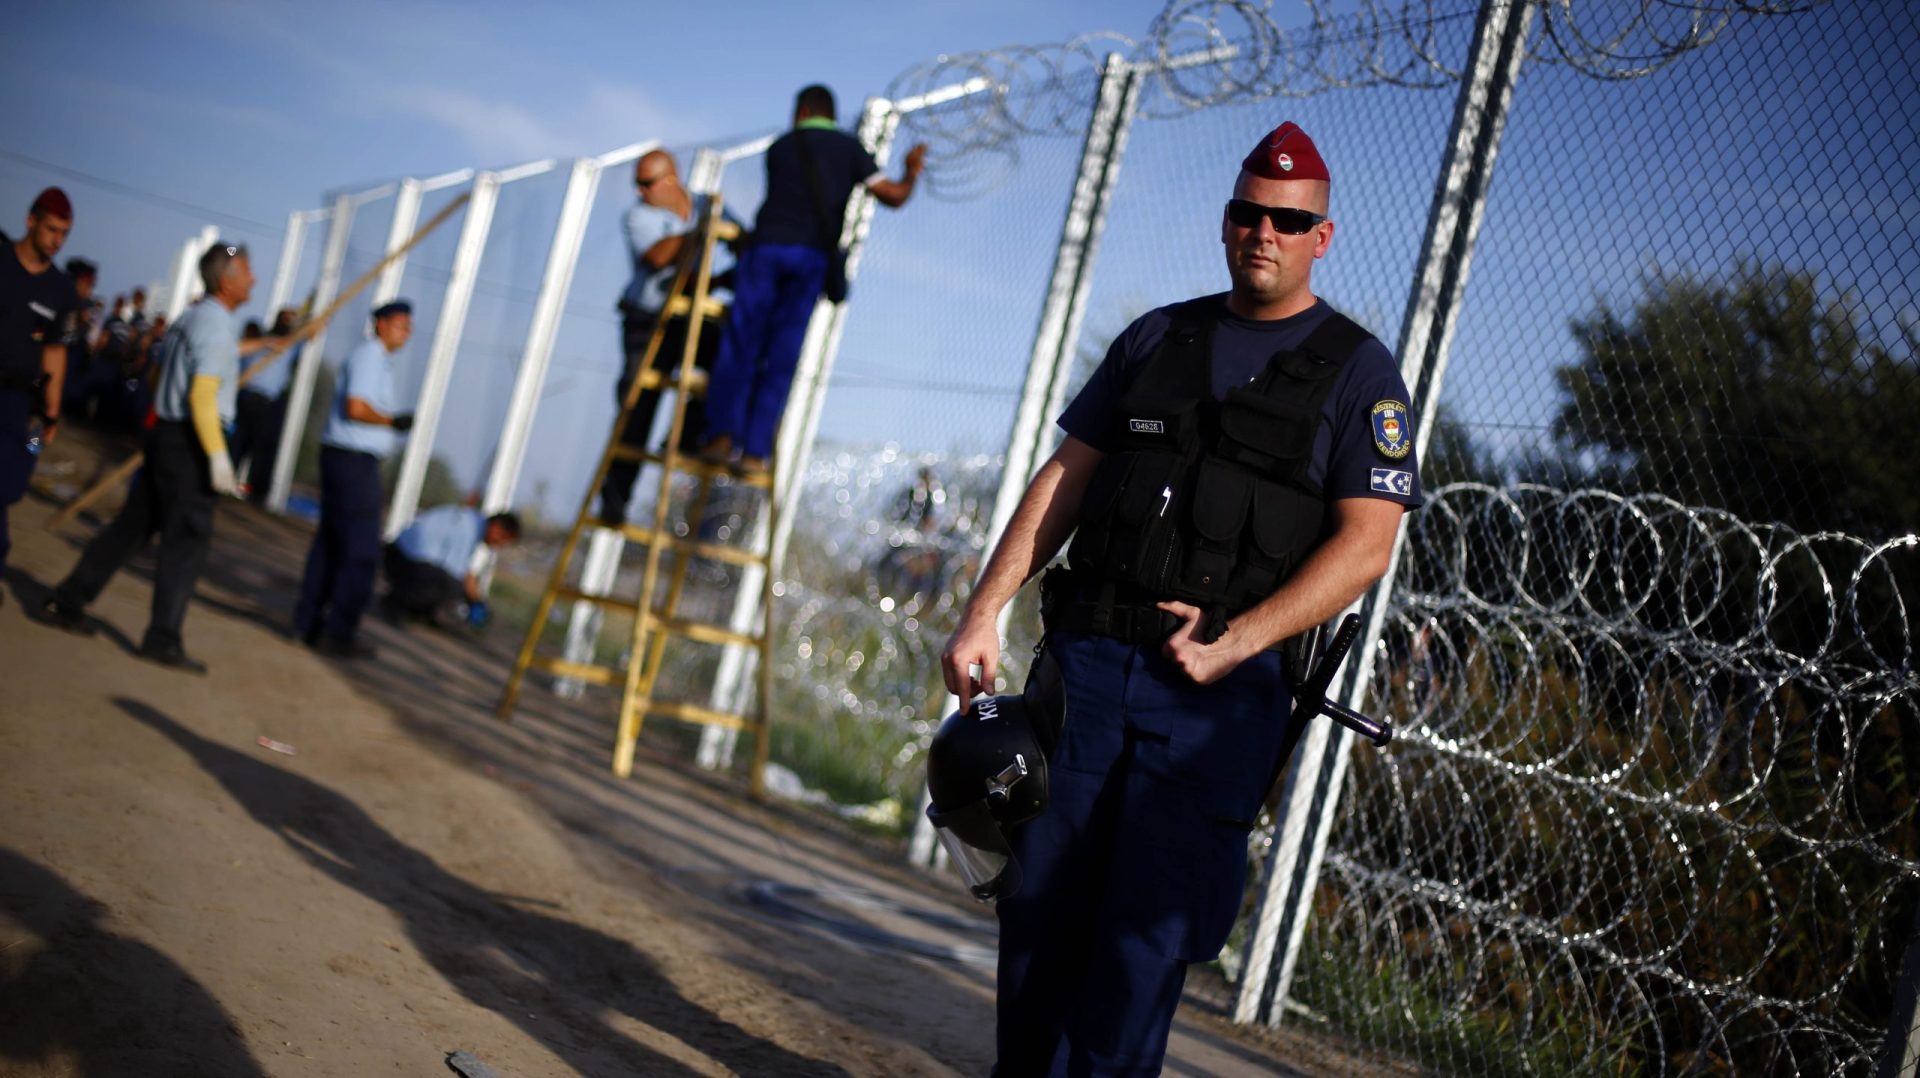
(186,467)
(656,228)
(1233,475)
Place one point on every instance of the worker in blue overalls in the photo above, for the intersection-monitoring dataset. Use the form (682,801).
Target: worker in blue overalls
(1233,474)
(363,428)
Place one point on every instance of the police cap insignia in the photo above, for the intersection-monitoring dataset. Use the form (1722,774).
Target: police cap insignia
(1392,430)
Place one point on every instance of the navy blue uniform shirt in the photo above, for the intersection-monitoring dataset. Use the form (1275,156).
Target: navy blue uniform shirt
(840,164)
(1363,448)
(35,310)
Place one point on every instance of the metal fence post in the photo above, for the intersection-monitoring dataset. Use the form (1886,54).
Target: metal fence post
(185,285)
(406,213)
(1056,339)
(300,388)
(447,330)
(1433,308)
(289,264)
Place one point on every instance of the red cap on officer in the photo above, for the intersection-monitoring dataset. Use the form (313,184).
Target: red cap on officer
(1286,154)
(53,202)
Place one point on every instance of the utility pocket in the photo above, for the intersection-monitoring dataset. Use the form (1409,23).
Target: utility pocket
(1143,516)
(1221,498)
(1265,434)
(1286,522)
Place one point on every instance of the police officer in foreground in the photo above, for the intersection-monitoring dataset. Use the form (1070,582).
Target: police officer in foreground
(1233,474)
(363,428)
(186,467)
(36,303)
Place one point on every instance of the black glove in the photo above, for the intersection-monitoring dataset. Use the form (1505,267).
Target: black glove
(403,422)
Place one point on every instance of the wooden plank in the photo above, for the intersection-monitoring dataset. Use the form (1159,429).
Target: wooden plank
(706,634)
(610,602)
(696,714)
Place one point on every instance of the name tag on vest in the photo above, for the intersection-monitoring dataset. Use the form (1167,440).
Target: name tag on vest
(1146,426)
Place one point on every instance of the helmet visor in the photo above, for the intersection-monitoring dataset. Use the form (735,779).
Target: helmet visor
(978,848)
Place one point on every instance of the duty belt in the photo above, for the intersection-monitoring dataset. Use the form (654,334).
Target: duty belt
(1127,623)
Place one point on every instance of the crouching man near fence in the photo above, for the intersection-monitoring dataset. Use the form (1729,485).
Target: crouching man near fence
(429,566)
(1233,474)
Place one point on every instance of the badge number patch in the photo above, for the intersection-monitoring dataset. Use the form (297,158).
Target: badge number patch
(1389,481)
(1146,426)
(1392,431)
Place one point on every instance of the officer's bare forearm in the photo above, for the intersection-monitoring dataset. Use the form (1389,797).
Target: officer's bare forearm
(1333,576)
(53,362)
(1039,526)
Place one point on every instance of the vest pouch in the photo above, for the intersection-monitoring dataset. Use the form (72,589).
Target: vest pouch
(1265,434)
(1286,525)
(1089,547)
(1145,519)
(1222,495)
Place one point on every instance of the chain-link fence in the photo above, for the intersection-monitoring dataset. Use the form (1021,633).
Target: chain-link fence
(1647,646)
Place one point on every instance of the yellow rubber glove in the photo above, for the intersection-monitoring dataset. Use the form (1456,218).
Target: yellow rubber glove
(203,405)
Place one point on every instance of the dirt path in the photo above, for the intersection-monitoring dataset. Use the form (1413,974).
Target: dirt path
(420,879)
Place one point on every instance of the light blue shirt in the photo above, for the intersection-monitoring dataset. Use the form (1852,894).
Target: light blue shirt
(367,373)
(206,340)
(646,225)
(445,536)
(274,380)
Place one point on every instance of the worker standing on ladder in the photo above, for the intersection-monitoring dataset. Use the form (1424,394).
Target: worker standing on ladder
(656,228)
(792,259)
(1233,474)
(363,428)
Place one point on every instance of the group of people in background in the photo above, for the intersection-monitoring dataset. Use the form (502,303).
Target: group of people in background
(208,399)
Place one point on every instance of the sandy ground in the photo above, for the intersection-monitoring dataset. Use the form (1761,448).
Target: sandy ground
(420,878)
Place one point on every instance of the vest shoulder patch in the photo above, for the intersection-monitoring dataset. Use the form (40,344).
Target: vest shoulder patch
(1392,430)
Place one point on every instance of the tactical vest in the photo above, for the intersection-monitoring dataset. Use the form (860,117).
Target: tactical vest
(1206,500)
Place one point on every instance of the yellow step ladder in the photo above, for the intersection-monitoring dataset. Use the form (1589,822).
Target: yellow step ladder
(654,623)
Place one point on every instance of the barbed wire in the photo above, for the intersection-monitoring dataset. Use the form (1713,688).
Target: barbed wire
(1650,804)
(1201,54)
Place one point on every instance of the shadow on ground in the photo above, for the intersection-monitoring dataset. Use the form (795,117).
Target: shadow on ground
(109,1004)
(551,978)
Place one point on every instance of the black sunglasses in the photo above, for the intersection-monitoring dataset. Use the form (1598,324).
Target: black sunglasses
(1286,220)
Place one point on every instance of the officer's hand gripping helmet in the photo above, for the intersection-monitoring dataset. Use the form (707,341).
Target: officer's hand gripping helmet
(986,775)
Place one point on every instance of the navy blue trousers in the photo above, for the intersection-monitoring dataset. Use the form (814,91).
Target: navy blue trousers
(16,464)
(345,556)
(1138,865)
(775,288)
(172,497)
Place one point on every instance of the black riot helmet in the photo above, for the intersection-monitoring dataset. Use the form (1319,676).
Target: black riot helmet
(986,775)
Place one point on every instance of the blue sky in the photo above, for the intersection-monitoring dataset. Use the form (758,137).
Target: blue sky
(1789,141)
(256,108)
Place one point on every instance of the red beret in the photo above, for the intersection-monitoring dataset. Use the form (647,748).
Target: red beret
(54,203)
(1286,154)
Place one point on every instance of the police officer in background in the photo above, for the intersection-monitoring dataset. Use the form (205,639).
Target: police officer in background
(1233,474)
(186,468)
(363,428)
(36,306)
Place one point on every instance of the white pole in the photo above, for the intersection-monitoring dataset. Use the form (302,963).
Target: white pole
(185,286)
(300,389)
(406,213)
(1433,308)
(446,345)
(563,254)
(289,265)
